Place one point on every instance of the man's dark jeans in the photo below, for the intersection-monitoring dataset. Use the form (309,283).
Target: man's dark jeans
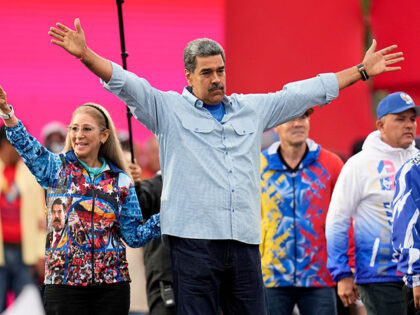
(409,301)
(315,301)
(383,298)
(214,275)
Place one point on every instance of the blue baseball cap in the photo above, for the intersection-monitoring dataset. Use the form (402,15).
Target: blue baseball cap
(396,103)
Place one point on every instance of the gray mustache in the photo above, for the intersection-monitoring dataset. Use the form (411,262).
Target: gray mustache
(216,87)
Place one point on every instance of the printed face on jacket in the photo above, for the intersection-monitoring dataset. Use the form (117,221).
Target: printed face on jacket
(57,217)
(208,81)
(86,137)
(398,130)
(294,132)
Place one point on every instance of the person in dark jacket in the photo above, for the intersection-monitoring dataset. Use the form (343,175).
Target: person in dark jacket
(157,259)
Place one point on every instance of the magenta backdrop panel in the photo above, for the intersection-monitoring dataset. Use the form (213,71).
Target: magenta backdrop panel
(45,83)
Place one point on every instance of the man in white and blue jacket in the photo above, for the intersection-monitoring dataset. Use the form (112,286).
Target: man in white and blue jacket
(364,192)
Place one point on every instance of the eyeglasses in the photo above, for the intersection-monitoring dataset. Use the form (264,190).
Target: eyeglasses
(85,130)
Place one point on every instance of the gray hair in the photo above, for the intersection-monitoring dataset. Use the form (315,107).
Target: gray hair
(202,47)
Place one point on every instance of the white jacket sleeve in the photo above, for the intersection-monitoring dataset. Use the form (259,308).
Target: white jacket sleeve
(344,202)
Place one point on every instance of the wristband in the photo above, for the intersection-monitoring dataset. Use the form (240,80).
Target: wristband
(83,53)
(9,115)
(363,72)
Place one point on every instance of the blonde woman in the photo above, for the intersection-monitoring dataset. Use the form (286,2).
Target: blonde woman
(91,207)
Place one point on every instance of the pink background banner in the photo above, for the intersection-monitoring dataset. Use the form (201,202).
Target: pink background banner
(45,83)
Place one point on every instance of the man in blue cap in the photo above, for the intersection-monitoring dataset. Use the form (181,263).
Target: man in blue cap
(364,192)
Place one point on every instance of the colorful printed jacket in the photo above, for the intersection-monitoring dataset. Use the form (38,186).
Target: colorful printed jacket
(99,233)
(406,223)
(364,192)
(294,206)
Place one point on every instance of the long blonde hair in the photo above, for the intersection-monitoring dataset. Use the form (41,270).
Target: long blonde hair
(111,149)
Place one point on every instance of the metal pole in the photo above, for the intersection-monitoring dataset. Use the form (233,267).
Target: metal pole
(124,56)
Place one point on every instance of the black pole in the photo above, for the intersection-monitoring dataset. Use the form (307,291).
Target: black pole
(124,56)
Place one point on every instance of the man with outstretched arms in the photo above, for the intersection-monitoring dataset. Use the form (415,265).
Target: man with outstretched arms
(209,154)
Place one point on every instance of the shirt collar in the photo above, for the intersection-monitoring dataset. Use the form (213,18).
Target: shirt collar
(71,157)
(275,163)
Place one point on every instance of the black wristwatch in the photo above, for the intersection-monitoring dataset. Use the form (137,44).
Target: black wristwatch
(363,72)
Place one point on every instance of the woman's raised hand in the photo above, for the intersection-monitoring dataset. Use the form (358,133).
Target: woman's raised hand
(4,108)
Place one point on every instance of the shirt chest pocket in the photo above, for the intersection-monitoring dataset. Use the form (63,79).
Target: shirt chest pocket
(243,136)
(200,132)
(243,127)
(202,126)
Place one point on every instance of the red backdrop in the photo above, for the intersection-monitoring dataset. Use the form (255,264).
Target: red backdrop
(270,43)
(399,24)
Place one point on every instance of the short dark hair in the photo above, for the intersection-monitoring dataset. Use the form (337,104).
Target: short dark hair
(58,201)
(202,47)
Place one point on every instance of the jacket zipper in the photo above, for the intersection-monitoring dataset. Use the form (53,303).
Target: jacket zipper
(93,231)
(93,227)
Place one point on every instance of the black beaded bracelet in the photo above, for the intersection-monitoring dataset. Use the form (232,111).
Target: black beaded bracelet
(363,72)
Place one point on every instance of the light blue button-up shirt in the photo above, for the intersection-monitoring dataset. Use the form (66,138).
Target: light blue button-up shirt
(211,169)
